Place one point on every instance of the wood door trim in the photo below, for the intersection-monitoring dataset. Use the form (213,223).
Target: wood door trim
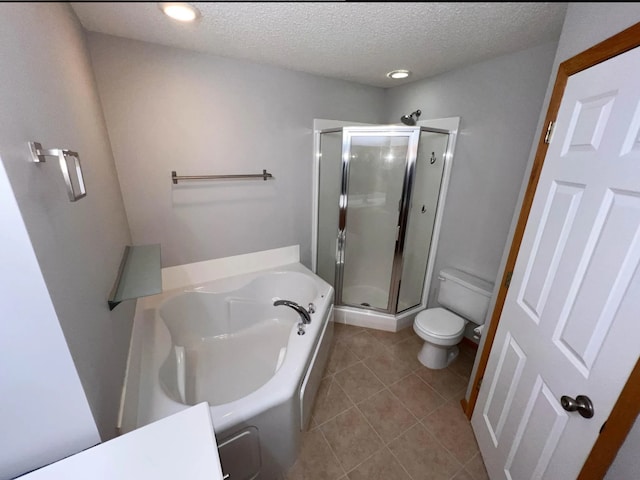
(615,430)
(627,407)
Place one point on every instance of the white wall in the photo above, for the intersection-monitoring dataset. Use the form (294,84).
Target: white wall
(627,462)
(498,101)
(44,412)
(48,95)
(171,109)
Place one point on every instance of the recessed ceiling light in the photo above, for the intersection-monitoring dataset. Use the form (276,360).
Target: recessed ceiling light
(398,74)
(183,12)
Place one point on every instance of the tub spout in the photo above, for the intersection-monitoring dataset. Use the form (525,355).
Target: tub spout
(304,315)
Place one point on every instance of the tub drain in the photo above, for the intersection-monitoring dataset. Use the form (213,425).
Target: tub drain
(365,304)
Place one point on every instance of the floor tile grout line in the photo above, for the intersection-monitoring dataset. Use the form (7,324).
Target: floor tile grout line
(399,462)
(348,325)
(355,355)
(348,398)
(444,446)
(417,422)
(358,356)
(370,425)
(435,389)
(452,477)
(386,444)
(389,346)
(379,378)
(344,368)
(408,374)
(470,460)
(374,374)
(405,406)
(444,400)
(344,470)
(477,453)
(367,398)
(364,461)
(374,431)
(383,447)
(389,349)
(399,400)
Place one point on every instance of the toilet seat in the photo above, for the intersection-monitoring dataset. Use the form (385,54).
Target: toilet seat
(439,323)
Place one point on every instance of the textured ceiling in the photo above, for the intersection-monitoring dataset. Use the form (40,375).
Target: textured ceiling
(359,42)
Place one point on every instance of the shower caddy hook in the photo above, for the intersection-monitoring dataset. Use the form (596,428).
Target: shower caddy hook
(38,155)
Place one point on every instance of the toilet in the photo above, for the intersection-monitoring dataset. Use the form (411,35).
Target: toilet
(465,298)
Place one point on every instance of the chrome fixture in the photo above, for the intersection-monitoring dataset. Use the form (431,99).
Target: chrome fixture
(264,175)
(304,314)
(39,154)
(412,118)
(300,328)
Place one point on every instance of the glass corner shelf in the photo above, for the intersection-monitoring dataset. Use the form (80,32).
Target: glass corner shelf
(139,274)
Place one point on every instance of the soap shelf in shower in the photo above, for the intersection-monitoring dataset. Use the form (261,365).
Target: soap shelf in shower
(139,274)
(175,178)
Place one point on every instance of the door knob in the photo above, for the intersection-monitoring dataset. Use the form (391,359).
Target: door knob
(581,404)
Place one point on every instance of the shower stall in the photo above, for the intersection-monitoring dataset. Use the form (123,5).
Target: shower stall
(380,197)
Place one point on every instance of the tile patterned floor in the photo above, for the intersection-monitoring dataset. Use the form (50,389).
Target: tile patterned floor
(379,414)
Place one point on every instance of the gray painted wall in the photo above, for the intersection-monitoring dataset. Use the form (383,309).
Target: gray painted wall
(499,101)
(43,408)
(48,95)
(627,463)
(171,109)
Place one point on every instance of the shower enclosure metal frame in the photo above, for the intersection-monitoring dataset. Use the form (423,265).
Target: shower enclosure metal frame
(412,151)
(413,132)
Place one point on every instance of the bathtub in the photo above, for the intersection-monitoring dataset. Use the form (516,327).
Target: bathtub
(223,342)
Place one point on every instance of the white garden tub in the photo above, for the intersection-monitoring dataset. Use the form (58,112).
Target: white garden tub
(223,342)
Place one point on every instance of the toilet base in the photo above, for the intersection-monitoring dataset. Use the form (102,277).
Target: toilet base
(437,357)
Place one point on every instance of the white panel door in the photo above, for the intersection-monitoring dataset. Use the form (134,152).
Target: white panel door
(571,319)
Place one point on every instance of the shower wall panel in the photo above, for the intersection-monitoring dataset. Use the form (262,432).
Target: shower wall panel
(422,214)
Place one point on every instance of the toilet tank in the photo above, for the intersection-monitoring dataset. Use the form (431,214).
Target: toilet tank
(464,294)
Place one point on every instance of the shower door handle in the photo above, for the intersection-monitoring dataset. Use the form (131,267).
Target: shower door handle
(340,248)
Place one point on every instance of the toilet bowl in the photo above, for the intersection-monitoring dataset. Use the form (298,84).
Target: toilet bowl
(466,298)
(441,331)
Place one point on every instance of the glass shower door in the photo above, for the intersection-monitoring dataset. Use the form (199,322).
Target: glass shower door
(376,168)
(422,213)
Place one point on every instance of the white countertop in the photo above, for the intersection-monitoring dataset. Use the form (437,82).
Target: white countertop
(181,446)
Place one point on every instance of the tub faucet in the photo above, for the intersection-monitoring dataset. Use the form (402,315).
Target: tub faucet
(304,314)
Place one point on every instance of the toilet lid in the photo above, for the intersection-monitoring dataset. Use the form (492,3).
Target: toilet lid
(440,322)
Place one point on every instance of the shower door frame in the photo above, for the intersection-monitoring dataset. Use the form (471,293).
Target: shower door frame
(403,214)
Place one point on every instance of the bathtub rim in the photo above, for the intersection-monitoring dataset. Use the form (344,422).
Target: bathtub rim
(143,357)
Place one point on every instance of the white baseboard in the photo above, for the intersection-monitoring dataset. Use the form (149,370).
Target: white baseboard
(370,319)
